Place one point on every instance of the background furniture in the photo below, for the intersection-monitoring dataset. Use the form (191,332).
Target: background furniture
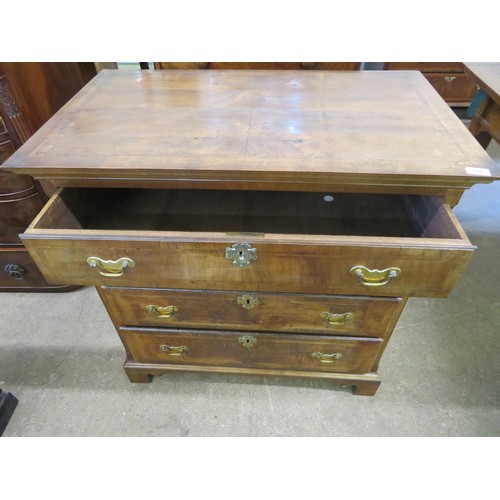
(485,122)
(30,93)
(265,225)
(450,80)
(259,65)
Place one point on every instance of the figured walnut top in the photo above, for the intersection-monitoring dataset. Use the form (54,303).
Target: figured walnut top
(371,127)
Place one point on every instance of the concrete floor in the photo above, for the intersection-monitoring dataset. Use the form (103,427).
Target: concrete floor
(60,356)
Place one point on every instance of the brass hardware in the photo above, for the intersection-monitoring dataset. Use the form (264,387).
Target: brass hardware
(174,350)
(162,311)
(449,79)
(374,277)
(241,254)
(327,358)
(336,319)
(245,233)
(15,271)
(248,341)
(248,301)
(477,87)
(110,268)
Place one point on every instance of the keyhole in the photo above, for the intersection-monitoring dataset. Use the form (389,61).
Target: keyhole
(248,342)
(241,254)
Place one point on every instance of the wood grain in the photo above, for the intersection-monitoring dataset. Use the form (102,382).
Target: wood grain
(191,256)
(387,128)
(274,351)
(335,66)
(487,76)
(370,317)
(485,123)
(363,384)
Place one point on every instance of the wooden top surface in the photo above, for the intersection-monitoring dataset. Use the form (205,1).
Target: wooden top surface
(488,78)
(372,127)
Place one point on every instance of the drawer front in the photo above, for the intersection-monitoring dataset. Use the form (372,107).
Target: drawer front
(319,314)
(17,270)
(453,87)
(327,269)
(427,264)
(237,349)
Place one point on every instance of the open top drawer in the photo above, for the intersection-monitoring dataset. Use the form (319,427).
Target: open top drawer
(392,245)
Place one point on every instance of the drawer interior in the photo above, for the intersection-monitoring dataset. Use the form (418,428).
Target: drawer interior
(261,212)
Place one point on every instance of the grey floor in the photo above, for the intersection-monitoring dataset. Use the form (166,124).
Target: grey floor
(60,356)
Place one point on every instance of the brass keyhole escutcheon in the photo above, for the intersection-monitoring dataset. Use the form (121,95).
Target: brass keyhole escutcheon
(241,254)
(248,341)
(248,301)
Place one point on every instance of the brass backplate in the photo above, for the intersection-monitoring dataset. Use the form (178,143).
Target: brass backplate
(248,301)
(248,341)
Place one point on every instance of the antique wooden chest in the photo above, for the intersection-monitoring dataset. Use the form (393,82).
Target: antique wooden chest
(255,222)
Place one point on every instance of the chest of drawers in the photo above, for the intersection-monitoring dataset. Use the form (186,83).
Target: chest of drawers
(254,222)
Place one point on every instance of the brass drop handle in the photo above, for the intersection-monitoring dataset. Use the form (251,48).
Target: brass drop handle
(162,311)
(327,358)
(174,350)
(450,79)
(374,277)
(110,268)
(336,319)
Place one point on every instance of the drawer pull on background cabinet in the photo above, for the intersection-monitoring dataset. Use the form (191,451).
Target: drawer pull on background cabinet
(110,268)
(450,79)
(336,319)
(374,277)
(174,350)
(15,271)
(327,358)
(241,254)
(162,311)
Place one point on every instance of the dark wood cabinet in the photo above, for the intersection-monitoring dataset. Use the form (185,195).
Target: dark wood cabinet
(449,79)
(30,93)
